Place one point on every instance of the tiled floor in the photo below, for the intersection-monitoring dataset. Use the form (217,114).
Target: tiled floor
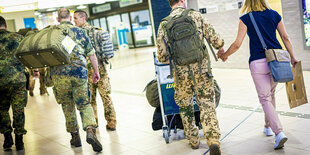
(131,70)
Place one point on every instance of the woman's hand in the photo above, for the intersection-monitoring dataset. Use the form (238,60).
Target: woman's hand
(294,61)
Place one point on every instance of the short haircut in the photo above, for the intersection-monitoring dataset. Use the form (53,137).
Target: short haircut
(81,13)
(63,13)
(2,21)
(172,2)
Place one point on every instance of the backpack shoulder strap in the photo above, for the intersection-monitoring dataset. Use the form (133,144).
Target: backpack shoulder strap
(186,11)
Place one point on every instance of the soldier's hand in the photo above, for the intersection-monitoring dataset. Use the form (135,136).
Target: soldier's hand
(96,77)
(220,52)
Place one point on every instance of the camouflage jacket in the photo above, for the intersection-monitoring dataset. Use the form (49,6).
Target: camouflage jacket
(107,43)
(11,70)
(84,48)
(205,30)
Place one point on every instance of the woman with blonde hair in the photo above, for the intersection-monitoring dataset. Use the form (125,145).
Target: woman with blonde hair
(268,21)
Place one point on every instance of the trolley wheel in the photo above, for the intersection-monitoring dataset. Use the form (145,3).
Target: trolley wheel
(166,136)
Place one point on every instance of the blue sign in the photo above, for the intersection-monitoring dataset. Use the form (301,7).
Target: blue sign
(29,23)
(122,36)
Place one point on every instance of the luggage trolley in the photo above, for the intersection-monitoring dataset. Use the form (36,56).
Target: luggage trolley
(168,106)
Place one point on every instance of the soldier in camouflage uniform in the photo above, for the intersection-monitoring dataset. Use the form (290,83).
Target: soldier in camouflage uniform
(71,84)
(12,89)
(103,85)
(185,86)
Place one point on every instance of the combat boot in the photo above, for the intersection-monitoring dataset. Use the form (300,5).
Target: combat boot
(215,149)
(110,128)
(31,93)
(8,141)
(91,138)
(75,140)
(194,143)
(19,142)
(42,91)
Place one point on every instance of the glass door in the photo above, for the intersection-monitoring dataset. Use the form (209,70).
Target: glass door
(103,23)
(141,27)
(126,22)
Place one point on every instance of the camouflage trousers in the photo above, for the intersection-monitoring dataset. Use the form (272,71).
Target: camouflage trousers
(15,96)
(32,81)
(104,89)
(205,96)
(71,92)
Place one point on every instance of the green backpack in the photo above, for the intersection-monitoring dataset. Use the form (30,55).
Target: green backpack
(152,93)
(49,47)
(184,44)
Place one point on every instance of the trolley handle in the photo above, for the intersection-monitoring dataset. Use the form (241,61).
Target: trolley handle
(156,62)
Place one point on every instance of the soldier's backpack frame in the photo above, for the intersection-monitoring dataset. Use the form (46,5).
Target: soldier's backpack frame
(168,106)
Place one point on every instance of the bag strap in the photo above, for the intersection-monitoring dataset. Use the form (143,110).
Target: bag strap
(212,50)
(257,31)
(186,11)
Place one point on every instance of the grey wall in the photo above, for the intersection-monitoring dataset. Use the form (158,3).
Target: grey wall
(293,23)
(226,24)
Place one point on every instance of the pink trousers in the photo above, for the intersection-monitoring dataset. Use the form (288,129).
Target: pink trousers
(265,87)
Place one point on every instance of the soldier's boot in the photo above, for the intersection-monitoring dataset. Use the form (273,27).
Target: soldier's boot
(97,122)
(110,128)
(75,140)
(31,92)
(91,138)
(111,125)
(194,143)
(42,91)
(19,142)
(8,141)
(215,149)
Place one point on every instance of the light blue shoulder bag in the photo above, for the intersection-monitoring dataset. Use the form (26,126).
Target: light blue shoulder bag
(278,59)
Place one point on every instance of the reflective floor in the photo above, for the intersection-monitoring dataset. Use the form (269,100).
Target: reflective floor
(242,130)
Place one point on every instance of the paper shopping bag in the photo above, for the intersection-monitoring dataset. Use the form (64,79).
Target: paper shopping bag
(295,89)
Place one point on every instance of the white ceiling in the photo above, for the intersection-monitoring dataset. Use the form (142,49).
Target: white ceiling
(22,5)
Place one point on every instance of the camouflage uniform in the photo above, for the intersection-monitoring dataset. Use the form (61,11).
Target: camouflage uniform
(12,85)
(32,81)
(103,85)
(204,85)
(71,82)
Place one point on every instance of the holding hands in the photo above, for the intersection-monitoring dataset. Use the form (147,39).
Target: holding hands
(221,54)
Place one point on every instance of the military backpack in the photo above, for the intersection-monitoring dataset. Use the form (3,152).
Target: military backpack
(49,47)
(152,93)
(184,44)
(102,43)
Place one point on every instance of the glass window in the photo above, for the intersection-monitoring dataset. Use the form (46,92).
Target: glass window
(113,22)
(90,22)
(141,27)
(103,23)
(96,23)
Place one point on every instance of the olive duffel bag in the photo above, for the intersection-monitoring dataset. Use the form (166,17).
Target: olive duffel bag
(49,47)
